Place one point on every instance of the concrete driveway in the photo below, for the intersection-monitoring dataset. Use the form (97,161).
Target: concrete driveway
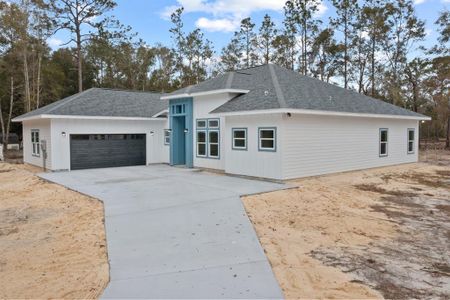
(177,233)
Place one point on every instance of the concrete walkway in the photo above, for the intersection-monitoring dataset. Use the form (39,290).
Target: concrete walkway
(177,233)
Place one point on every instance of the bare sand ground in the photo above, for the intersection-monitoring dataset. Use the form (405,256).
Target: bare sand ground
(52,240)
(368,234)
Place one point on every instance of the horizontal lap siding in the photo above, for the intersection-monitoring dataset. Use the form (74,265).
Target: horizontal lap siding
(316,145)
(44,134)
(252,162)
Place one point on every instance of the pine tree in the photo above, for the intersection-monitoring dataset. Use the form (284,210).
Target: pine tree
(267,35)
(247,38)
(347,12)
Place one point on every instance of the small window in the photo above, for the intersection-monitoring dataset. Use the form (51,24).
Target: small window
(201,143)
(201,124)
(411,140)
(239,138)
(36,151)
(267,139)
(213,123)
(213,143)
(166,137)
(383,142)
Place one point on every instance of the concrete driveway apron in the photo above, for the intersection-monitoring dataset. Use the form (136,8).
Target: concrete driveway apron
(177,233)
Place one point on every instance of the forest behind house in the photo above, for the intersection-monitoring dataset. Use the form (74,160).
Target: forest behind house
(373,47)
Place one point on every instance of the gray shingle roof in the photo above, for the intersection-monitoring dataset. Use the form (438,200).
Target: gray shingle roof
(105,103)
(272,87)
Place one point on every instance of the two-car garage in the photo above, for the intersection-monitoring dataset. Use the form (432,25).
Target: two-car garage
(89,151)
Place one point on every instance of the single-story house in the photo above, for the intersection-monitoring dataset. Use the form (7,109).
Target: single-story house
(265,121)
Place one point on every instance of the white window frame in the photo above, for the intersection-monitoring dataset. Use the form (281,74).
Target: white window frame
(383,142)
(213,120)
(202,143)
(274,139)
(166,136)
(202,120)
(35,143)
(413,141)
(233,139)
(211,143)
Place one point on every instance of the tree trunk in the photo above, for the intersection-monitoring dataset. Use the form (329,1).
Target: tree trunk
(345,51)
(38,81)
(372,73)
(447,142)
(79,59)
(26,81)
(5,124)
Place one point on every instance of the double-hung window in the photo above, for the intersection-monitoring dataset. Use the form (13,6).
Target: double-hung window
(383,142)
(166,136)
(267,139)
(36,151)
(239,138)
(411,135)
(208,138)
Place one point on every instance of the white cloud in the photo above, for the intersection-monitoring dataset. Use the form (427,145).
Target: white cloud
(54,42)
(227,14)
(224,25)
(417,2)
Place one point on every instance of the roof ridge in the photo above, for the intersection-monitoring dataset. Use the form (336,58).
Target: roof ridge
(74,97)
(229,80)
(276,84)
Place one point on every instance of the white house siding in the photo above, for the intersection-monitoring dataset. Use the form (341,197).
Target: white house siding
(157,152)
(315,145)
(44,128)
(203,105)
(252,162)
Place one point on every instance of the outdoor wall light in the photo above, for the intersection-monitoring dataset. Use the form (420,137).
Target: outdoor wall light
(152,132)
(169,130)
(289,115)
(186,130)
(63,134)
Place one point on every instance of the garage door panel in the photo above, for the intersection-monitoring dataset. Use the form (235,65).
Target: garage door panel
(103,151)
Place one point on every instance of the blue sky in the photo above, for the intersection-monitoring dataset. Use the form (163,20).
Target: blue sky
(219,18)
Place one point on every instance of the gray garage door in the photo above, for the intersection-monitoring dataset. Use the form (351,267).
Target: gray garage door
(89,151)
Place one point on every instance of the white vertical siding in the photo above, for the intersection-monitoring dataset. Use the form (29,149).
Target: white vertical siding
(252,162)
(203,105)
(315,145)
(44,128)
(157,152)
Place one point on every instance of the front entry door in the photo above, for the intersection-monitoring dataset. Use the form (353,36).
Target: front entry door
(181,124)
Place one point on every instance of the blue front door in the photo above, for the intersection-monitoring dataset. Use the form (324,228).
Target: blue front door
(181,124)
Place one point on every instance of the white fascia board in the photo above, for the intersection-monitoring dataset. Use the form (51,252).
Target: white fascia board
(166,111)
(320,112)
(213,92)
(44,116)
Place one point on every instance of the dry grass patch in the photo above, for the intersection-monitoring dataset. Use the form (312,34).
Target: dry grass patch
(52,240)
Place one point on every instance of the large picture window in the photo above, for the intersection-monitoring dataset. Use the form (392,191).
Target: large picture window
(208,138)
(239,138)
(267,139)
(383,142)
(411,136)
(36,151)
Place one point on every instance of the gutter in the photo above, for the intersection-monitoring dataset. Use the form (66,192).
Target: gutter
(319,112)
(48,116)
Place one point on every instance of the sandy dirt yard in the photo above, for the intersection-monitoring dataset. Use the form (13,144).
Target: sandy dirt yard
(52,240)
(368,234)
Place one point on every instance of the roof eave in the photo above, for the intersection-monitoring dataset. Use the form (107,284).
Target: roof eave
(48,116)
(319,112)
(206,93)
